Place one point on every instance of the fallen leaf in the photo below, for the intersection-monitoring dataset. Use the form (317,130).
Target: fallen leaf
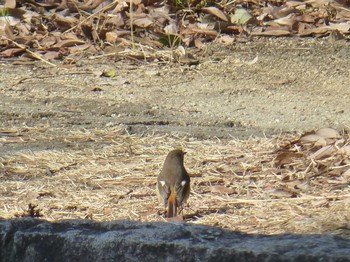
(51,55)
(111,37)
(275,32)
(12,52)
(212,33)
(10,3)
(314,31)
(64,23)
(216,12)
(142,22)
(306,18)
(171,29)
(225,39)
(68,43)
(323,152)
(80,48)
(314,139)
(241,17)
(198,43)
(222,190)
(286,158)
(288,20)
(282,11)
(327,132)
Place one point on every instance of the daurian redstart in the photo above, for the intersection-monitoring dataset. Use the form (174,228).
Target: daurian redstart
(173,182)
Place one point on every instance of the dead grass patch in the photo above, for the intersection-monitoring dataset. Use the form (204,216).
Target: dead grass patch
(110,174)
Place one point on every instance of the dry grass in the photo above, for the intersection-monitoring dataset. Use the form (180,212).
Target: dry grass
(109,174)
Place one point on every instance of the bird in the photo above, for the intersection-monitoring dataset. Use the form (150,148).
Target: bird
(173,182)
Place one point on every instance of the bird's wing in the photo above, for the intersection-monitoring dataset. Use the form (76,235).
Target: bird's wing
(164,192)
(182,191)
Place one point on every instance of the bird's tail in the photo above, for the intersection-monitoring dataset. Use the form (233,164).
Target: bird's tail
(172,205)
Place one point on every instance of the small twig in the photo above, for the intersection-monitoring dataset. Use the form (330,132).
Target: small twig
(132,25)
(30,52)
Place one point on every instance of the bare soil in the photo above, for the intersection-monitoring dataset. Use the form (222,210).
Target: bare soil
(293,85)
(58,124)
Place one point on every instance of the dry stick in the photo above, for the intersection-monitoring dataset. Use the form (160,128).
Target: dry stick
(30,52)
(132,25)
(99,11)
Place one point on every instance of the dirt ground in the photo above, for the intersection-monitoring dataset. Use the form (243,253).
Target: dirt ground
(294,85)
(60,120)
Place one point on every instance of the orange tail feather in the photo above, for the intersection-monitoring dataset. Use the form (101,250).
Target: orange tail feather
(172,205)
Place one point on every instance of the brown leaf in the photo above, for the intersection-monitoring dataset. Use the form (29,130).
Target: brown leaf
(314,31)
(225,39)
(216,12)
(64,23)
(10,3)
(288,20)
(222,190)
(6,30)
(170,29)
(306,18)
(80,48)
(319,3)
(51,55)
(323,152)
(278,11)
(198,43)
(12,52)
(296,4)
(70,42)
(286,158)
(49,41)
(116,21)
(212,33)
(111,37)
(142,22)
(313,139)
(275,32)
(327,132)
(122,5)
